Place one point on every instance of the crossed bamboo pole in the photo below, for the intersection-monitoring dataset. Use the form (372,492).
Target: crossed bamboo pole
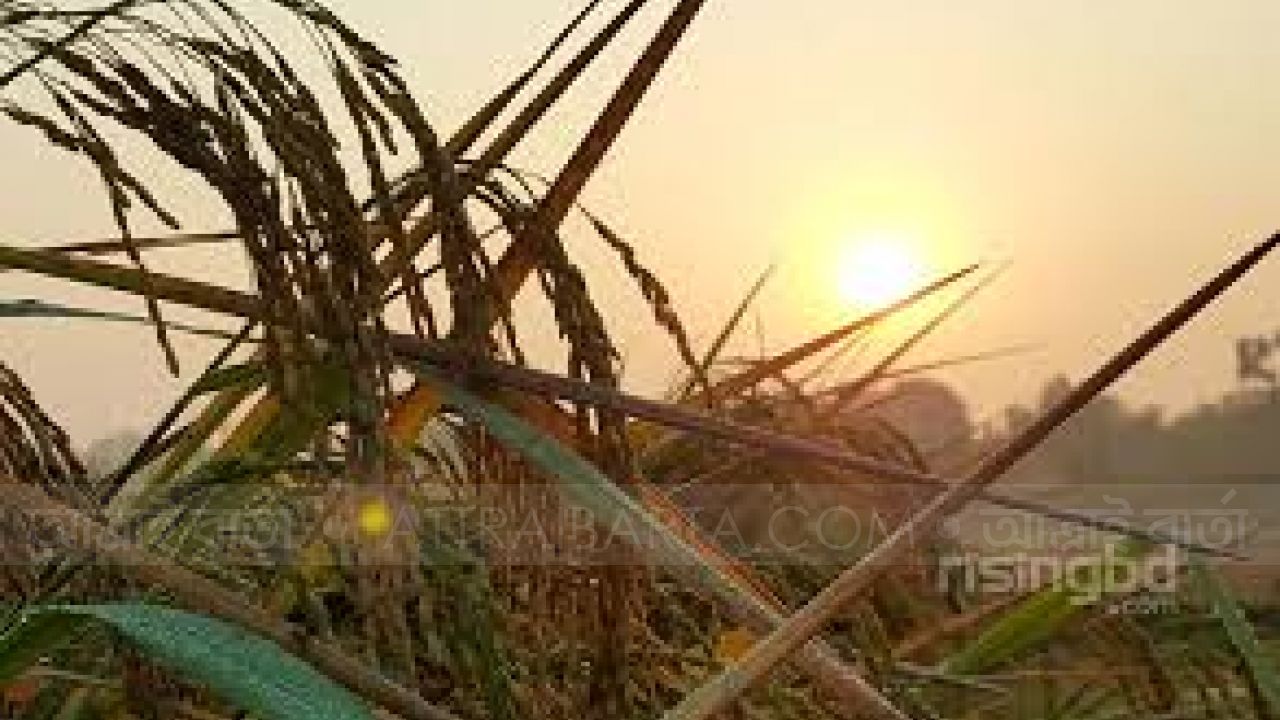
(793,635)
(718,693)
(213,298)
(516,265)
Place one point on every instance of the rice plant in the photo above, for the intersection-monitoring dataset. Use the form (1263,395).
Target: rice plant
(379,390)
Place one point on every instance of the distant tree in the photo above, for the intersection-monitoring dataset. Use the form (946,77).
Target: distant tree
(1108,441)
(1085,449)
(1255,358)
(930,413)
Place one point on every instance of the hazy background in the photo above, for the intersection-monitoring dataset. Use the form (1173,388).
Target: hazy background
(1115,153)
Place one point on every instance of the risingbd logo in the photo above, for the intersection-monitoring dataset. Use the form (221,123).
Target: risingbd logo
(1118,573)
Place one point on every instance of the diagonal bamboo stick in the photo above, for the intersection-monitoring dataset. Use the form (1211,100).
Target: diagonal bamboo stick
(809,620)
(747,599)
(667,539)
(222,300)
(755,606)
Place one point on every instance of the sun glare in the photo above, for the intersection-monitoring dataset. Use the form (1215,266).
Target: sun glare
(876,270)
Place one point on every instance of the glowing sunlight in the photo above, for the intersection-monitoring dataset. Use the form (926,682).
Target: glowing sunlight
(877,269)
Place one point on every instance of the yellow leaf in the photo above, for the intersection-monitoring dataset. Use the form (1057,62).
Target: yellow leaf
(251,426)
(643,434)
(733,644)
(315,563)
(410,414)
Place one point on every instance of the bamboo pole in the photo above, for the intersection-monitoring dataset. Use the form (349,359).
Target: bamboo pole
(548,385)
(669,540)
(717,694)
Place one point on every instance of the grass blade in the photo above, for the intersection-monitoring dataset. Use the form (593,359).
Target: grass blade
(877,373)
(29,308)
(1263,675)
(203,595)
(717,346)
(757,373)
(1031,623)
(515,131)
(246,670)
(467,135)
(585,486)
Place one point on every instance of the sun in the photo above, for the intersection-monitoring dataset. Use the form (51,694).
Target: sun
(878,269)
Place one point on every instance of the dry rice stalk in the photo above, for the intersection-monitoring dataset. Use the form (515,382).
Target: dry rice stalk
(809,620)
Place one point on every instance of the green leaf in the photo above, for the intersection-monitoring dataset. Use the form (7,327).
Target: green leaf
(28,308)
(1228,611)
(33,637)
(580,483)
(1029,624)
(473,634)
(245,670)
(291,431)
(76,706)
(247,375)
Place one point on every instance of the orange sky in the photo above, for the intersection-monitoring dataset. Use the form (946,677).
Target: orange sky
(1114,154)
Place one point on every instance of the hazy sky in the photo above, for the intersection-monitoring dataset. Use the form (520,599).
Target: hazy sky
(1115,153)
